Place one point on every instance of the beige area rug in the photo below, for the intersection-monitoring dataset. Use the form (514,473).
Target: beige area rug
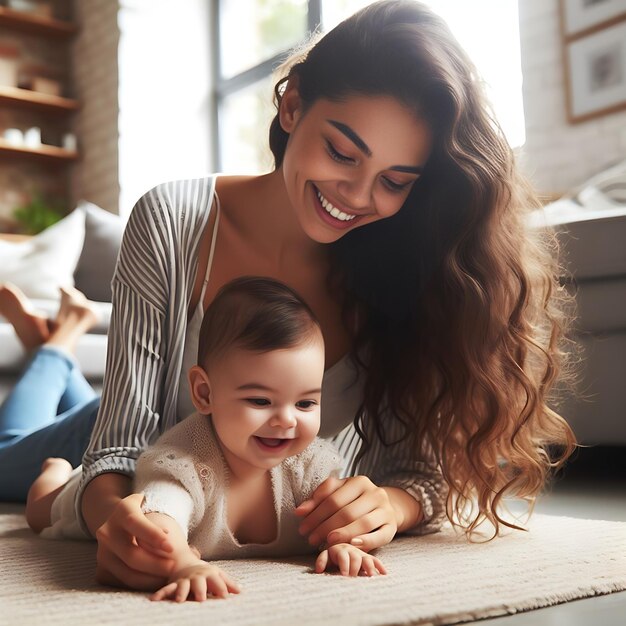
(438,579)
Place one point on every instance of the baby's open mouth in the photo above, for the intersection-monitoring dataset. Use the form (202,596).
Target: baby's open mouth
(272,442)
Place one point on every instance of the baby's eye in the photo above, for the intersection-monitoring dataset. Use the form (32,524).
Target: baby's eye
(306,404)
(258,401)
(336,155)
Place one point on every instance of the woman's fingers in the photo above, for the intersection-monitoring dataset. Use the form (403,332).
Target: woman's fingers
(328,502)
(361,528)
(111,570)
(376,539)
(120,545)
(329,486)
(357,518)
(129,517)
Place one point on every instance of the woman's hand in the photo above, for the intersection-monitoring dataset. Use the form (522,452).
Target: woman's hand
(133,551)
(350,510)
(195,582)
(349,560)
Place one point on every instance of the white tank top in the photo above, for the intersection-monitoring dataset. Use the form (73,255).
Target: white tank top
(184,405)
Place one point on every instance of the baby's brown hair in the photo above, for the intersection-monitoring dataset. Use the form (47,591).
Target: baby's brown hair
(258,314)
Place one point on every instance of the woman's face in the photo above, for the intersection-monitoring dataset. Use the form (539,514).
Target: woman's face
(352,162)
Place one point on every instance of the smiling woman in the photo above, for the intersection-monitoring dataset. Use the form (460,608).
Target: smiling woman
(440,311)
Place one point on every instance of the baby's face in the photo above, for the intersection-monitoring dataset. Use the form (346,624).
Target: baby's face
(266,406)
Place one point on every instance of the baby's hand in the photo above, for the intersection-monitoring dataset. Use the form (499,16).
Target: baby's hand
(350,560)
(196,582)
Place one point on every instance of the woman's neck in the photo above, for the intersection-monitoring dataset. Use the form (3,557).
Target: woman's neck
(260,210)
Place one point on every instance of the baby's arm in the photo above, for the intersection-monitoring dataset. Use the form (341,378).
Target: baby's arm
(350,560)
(191,578)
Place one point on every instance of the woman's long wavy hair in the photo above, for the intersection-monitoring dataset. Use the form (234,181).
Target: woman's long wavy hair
(458,302)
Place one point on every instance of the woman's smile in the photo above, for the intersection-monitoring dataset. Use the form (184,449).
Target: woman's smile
(331,215)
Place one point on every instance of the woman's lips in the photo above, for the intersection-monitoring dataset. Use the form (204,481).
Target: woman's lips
(328,218)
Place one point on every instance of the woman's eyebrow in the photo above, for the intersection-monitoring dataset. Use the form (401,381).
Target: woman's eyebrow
(363,147)
(352,136)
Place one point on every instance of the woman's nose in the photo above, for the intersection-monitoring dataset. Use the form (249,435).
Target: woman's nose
(357,192)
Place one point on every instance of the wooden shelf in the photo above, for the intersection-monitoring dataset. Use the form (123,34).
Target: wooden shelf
(50,154)
(36,24)
(13,96)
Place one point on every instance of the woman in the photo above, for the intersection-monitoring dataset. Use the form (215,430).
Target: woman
(396,211)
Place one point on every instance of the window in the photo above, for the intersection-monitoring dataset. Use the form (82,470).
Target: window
(254,36)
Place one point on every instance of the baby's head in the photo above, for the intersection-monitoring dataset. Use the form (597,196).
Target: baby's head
(259,373)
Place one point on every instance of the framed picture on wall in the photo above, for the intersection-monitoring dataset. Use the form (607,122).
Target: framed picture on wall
(580,17)
(596,73)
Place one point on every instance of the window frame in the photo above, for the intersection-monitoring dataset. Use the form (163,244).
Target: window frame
(224,87)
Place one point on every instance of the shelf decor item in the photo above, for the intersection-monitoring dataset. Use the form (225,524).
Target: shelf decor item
(594,51)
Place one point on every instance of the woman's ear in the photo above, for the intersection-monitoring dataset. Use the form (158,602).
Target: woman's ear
(290,106)
(200,388)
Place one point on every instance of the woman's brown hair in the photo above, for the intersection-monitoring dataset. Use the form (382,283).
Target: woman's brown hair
(458,303)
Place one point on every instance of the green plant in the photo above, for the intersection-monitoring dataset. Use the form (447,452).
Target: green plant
(37,215)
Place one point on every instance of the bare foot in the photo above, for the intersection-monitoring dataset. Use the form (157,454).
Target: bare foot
(31,328)
(75,304)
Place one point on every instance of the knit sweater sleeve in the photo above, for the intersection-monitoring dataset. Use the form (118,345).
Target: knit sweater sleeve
(312,467)
(174,479)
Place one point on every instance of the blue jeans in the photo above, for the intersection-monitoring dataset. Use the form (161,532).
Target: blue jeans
(50,412)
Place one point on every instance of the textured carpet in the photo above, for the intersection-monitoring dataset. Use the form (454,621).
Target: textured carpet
(438,579)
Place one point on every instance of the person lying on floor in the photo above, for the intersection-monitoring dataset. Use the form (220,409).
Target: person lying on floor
(225,482)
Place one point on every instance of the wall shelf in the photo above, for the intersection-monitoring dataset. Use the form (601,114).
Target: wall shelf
(36,24)
(13,96)
(50,154)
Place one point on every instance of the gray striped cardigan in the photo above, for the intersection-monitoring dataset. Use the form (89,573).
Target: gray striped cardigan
(152,286)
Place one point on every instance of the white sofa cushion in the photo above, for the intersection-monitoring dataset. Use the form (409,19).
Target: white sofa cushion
(40,265)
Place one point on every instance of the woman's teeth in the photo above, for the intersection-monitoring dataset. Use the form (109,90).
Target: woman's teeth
(336,213)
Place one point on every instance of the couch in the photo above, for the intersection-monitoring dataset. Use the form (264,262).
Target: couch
(80,249)
(591,227)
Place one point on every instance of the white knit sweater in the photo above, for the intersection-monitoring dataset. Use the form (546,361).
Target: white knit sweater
(184,475)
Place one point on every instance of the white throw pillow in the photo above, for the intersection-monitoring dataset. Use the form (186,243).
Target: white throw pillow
(39,266)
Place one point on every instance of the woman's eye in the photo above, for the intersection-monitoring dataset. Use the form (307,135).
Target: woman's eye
(306,404)
(336,155)
(393,186)
(258,401)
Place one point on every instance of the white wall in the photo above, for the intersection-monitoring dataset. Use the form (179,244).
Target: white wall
(557,155)
(164,94)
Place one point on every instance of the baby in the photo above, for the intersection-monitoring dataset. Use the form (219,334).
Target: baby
(224,482)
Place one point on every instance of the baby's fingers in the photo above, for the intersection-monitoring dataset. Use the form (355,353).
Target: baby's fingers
(165,592)
(355,563)
(183,590)
(321,562)
(343,562)
(372,566)
(231,584)
(198,588)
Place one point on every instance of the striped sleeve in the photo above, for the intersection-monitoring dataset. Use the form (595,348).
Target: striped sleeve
(153,280)
(129,415)
(391,466)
